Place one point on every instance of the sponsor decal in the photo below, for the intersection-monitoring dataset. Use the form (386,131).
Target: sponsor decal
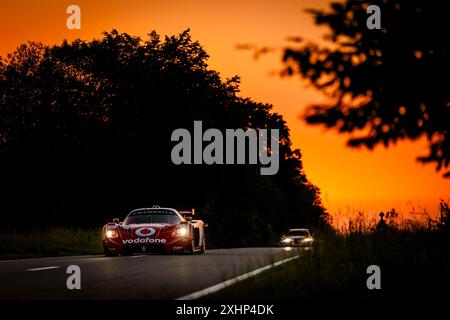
(145,232)
(152,212)
(144,240)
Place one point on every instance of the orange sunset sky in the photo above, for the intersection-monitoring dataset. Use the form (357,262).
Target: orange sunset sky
(349,179)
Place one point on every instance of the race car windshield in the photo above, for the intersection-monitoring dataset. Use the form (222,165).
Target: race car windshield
(299,233)
(155,216)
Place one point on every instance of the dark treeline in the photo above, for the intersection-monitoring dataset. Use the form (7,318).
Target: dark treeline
(85,137)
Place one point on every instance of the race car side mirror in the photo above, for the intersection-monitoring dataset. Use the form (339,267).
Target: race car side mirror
(205,225)
(188,218)
(116,220)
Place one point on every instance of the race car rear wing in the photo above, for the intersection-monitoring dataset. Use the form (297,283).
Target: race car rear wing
(187,214)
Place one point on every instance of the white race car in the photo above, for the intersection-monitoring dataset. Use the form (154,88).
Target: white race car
(299,237)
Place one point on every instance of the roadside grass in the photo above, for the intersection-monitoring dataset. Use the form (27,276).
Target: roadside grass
(414,264)
(59,241)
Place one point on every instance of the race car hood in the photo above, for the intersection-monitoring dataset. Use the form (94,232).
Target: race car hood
(134,231)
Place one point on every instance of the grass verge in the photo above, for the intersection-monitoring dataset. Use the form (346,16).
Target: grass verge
(413,264)
(49,242)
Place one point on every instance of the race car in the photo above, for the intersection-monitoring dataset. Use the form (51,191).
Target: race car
(154,229)
(300,237)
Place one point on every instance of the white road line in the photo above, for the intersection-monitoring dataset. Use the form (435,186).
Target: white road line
(138,256)
(44,268)
(223,285)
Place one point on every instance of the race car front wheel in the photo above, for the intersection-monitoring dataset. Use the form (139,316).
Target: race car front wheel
(108,252)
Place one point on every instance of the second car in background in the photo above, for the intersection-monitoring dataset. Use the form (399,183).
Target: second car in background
(299,237)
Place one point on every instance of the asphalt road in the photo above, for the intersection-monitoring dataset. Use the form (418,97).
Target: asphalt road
(133,277)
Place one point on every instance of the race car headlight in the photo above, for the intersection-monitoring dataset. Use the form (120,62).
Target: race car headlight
(181,231)
(286,240)
(308,240)
(111,234)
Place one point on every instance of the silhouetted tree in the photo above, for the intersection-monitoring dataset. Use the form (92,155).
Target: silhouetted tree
(86,136)
(387,84)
